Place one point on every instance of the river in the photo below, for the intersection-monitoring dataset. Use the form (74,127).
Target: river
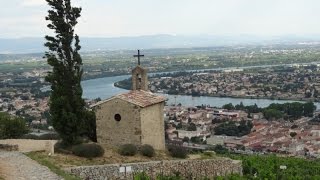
(104,88)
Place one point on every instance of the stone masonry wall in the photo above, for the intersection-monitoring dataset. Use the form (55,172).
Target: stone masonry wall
(195,169)
(115,133)
(28,145)
(152,126)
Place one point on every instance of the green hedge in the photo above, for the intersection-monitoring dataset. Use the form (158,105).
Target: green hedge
(147,150)
(128,150)
(88,150)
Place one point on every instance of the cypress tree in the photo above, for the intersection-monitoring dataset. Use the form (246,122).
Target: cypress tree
(70,117)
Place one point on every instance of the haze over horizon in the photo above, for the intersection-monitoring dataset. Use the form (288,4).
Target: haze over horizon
(114,18)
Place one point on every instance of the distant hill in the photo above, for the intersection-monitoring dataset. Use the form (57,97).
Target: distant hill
(35,45)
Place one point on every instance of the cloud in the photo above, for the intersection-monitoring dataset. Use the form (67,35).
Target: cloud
(32,3)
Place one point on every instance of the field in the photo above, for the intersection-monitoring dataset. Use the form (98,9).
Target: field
(117,62)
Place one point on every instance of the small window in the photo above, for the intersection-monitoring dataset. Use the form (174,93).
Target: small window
(117,117)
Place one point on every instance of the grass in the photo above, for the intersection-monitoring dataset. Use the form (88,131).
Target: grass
(111,156)
(57,162)
(43,160)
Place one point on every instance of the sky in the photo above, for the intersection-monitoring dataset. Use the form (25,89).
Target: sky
(114,18)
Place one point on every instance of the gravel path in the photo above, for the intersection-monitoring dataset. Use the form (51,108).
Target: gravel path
(17,166)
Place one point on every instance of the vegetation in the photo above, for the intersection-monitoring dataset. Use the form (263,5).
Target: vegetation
(178,152)
(219,149)
(230,128)
(69,116)
(53,167)
(51,136)
(264,167)
(128,150)
(275,111)
(289,111)
(144,176)
(273,114)
(11,127)
(147,150)
(88,150)
(268,167)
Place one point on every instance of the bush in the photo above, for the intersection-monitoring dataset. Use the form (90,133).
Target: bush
(51,136)
(29,136)
(11,127)
(178,152)
(128,150)
(147,150)
(141,176)
(88,150)
(60,147)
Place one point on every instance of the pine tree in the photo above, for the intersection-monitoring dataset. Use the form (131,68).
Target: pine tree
(70,117)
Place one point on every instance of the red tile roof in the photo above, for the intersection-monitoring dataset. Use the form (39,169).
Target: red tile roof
(138,97)
(141,98)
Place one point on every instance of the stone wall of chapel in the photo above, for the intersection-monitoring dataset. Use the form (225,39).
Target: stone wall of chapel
(135,80)
(152,125)
(115,133)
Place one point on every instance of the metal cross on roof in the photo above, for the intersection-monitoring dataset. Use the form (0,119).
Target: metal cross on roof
(138,56)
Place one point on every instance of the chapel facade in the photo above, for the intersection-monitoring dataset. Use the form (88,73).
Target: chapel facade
(135,117)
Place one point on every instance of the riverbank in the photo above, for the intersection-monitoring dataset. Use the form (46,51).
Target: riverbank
(118,85)
(105,88)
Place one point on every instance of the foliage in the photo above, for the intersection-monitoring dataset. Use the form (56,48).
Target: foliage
(142,176)
(268,167)
(219,149)
(54,168)
(228,106)
(128,150)
(178,152)
(272,114)
(275,111)
(197,140)
(51,136)
(147,150)
(293,110)
(185,139)
(192,127)
(88,150)
(230,128)
(67,108)
(293,134)
(11,127)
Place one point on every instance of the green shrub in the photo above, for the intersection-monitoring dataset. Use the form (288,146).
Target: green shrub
(209,153)
(88,150)
(29,136)
(147,150)
(51,136)
(178,151)
(11,127)
(60,147)
(128,150)
(141,176)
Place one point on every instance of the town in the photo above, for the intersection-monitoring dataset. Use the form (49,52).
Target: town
(23,94)
(294,82)
(199,127)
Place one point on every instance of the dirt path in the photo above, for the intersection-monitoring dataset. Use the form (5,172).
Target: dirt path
(6,171)
(17,166)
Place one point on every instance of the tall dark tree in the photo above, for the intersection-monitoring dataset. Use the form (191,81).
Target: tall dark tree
(70,117)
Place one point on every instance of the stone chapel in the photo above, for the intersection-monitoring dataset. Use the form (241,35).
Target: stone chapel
(135,117)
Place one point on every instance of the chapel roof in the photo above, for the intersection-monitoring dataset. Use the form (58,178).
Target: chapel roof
(138,97)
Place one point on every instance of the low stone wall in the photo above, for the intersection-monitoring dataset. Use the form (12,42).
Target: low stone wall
(28,145)
(8,147)
(195,169)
